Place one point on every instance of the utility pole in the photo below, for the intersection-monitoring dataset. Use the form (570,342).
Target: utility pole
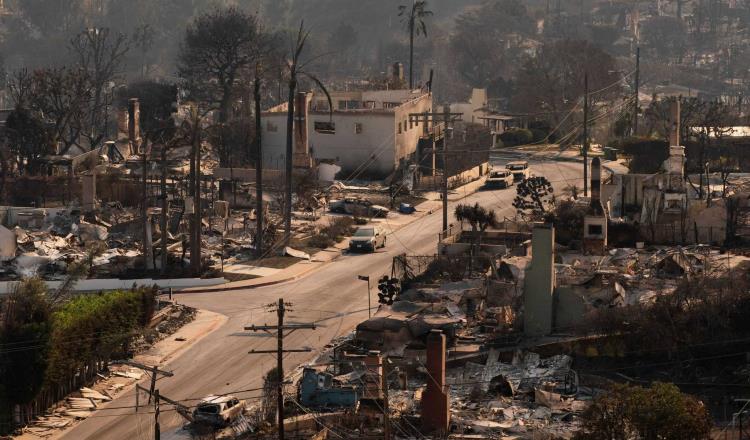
(585,142)
(637,88)
(447,118)
(155,371)
(181,409)
(386,409)
(157,428)
(258,167)
(280,309)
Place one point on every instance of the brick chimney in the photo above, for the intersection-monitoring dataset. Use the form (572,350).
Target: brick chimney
(435,402)
(301,157)
(674,122)
(595,222)
(398,72)
(134,124)
(373,375)
(675,164)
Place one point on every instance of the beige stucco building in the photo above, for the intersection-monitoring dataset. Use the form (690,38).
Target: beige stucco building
(367,132)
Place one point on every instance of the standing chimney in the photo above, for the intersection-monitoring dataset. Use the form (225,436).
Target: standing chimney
(301,157)
(373,375)
(435,402)
(539,283)
(674,123)
(398,71)
(134,124)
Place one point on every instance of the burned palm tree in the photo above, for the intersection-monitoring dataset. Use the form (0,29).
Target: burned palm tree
(413,18)
(296,70)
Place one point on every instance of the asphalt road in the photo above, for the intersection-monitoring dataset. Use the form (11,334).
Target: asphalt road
(331,296)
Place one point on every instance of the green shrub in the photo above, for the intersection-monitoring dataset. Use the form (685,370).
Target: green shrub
(516,136)
(540,131)
(646,154)
(93,327)
(568,221)
(320,241)
(337,229)
(661,411)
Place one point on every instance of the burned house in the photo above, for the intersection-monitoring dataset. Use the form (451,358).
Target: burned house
(363,127)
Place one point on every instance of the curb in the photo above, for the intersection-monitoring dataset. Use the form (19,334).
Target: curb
(256,285)
(306,272)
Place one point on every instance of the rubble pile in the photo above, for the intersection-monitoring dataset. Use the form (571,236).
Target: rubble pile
(85,402)
(628,276)
(528,395)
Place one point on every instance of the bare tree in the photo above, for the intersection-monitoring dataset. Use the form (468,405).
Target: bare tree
(100,54)
(143,40)
(62,96)
(219,47)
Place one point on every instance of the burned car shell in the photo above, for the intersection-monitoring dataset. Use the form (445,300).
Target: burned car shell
(218,410)
(358,207)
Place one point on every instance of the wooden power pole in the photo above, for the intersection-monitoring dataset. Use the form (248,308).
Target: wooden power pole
(447,118)
(386,408)
(585,142)
(280,309)
(637,88)
(181,409)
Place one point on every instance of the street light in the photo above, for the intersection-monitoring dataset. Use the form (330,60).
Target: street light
(367,278)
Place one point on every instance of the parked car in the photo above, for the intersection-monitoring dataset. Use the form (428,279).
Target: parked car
(499,179)
(218,410)
(357,206)
(367,238)
(520,170)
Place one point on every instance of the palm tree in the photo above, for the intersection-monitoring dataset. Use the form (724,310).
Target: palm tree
(413,18)
(478,217)
(296,69)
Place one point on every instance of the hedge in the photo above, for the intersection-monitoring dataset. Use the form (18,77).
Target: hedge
(56,348)
(516,136)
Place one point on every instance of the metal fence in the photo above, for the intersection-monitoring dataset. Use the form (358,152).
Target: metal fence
(675,234)
(427,268)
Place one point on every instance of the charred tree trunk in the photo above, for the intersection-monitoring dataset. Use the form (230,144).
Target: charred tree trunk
(195,233)
(289,161)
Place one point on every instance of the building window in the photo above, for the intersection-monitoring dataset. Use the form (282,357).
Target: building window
(391,104)
(270,126)
(349,105)
(595,230)
(358,128)
(322,105)
(404,124)
(399,128)
(325,127)
(411,124)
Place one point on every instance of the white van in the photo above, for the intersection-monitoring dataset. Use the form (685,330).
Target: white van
(520,170)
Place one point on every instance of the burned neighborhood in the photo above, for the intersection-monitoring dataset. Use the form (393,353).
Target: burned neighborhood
(381,219)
